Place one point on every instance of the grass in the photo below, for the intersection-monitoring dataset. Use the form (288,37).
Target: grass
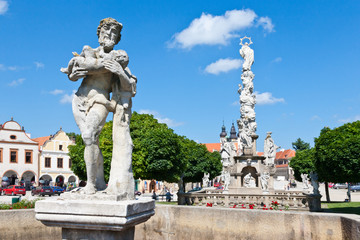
(341,207)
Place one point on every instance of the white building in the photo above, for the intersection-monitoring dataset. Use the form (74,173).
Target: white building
(55,163)
(19,154)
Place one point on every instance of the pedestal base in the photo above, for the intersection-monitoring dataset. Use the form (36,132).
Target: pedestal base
(314,201)
(84,219)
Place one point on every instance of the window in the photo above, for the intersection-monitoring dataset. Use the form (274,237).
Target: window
(28,156)
(47,162)
(13,155)
(70,163)
(13,137)
(1,158)
(60,147)
(60,163)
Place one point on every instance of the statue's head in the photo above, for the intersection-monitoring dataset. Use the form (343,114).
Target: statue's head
(108,33)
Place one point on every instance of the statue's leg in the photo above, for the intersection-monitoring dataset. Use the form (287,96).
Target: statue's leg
(90,128)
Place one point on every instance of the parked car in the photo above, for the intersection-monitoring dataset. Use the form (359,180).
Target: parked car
(137,193)
(340,186)
(195,189)
(42,191)
(355,187)
(331,185)
(57,190)
(14,190)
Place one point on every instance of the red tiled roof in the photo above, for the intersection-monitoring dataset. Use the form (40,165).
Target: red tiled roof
(282,165)
(211,147)
(41,140)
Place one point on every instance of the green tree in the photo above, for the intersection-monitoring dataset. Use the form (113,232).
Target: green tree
(303,162)
(337,153)
(199,161)
(299,144)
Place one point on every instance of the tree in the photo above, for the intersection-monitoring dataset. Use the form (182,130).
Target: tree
(299,144)
(337,153)
(303,162)
(199,161)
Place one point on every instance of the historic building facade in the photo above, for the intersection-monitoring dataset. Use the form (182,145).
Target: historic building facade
(55,163)
(19,155)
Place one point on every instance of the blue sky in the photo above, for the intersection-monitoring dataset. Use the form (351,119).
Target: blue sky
(185,55)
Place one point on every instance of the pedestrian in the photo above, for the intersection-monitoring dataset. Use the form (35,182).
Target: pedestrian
(154,195)
(168,196)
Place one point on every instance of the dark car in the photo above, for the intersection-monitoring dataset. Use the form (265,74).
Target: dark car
(42,191)
(57,190)
(14,190)
(355,188)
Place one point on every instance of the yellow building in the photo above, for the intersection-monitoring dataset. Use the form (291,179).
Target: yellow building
(55,163)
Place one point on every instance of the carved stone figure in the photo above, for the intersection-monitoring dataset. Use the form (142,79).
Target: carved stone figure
(270,150)
(247,124)
(248,54)
(249,181)
(226,178)
(314,182)
(104,70)
(305,180)
(264,180)
(205,179)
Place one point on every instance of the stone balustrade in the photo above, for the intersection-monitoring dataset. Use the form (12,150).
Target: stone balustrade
(290,200)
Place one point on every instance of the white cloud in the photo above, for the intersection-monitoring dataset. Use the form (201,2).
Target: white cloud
(39,65)
(4,6)
(57,92)
(315,117)
(266,23)
(277,60)
(223,65)
(213,30)
(16,82)
(267,98)
(11,68)
(161,119)
(352,119)
(66,98)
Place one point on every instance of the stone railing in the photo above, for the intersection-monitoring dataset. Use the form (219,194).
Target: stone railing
(293,201)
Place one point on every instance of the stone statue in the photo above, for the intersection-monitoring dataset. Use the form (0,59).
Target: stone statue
(226,177)
(104,70)
(247,53)
(247,124)
(225,152)
(314,182)
(264,180)
(270,150)
(249,181)
(205,180)
(305,180)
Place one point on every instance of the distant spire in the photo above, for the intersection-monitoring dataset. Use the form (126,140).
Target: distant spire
(233,132)
(223,131)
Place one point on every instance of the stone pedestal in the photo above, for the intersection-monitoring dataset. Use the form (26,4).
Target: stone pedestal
(314,201)
(94,219)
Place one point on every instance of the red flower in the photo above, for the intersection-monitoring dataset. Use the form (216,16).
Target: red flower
(263,208)
(271,208)
(264,205)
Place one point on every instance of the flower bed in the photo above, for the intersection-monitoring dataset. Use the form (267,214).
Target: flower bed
(23,204)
